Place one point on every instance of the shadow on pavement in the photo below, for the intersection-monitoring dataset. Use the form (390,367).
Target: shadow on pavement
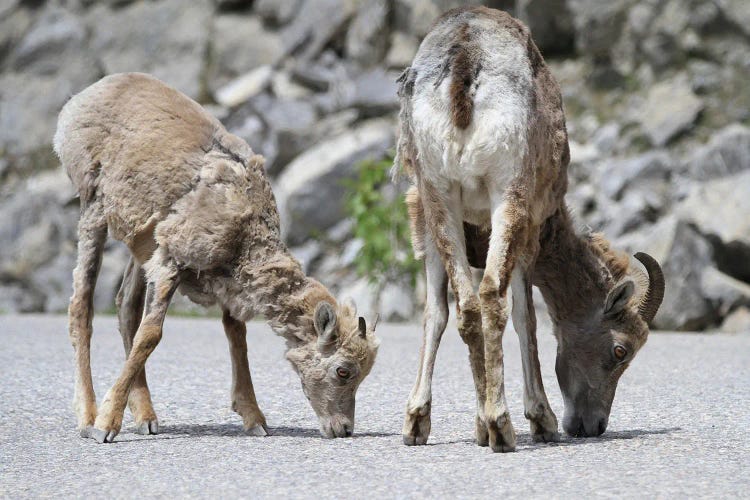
(197,430)
(315,433)
(203,430)
(525,443)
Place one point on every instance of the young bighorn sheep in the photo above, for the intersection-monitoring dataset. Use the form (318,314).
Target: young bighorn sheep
(483,139)
(192,203)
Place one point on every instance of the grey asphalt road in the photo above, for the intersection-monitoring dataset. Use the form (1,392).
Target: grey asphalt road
(679,426)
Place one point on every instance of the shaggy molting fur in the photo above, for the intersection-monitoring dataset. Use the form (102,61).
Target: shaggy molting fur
(193,204)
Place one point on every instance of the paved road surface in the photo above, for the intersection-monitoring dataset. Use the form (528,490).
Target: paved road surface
(679,424)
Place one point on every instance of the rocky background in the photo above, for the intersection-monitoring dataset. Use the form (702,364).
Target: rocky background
(656,95)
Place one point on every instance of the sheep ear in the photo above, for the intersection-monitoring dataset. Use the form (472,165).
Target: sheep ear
(618,298)
(362,327)
(325,324)
(349,305)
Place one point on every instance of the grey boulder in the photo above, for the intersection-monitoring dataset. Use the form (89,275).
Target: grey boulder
(167,39)
(728,152)
(311,191)
(670,108)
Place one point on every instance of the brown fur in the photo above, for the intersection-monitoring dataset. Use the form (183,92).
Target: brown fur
(586,284)
(477,244)
(438,217)
(464,61)
(616,262)
(129,302)
(462,78)
(416,221)
(194,206)
(503,20)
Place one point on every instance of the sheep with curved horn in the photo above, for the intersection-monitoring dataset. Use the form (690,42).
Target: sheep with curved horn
(484,142)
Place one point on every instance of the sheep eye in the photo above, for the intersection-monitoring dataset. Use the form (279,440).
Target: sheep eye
(620,352)
(342,372)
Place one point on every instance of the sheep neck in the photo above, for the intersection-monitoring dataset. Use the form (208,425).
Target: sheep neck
(279,290)
(567,272)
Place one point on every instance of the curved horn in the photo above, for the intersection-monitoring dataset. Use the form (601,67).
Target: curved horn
(651,300)
(362,327)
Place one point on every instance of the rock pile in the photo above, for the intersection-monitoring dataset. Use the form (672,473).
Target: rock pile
(655,92)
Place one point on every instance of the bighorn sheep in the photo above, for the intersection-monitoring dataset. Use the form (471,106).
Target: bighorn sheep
(483,139)
(192,203)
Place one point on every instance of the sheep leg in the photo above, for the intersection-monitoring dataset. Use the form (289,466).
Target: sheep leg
(162,279)
(536,407)
(507,229)
(444,216)
(92,234)
(129,302)
(416,428)
(243,394)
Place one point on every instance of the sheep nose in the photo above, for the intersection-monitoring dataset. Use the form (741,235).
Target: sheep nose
(594,426)
(585,427)
(343,428)
(573,426)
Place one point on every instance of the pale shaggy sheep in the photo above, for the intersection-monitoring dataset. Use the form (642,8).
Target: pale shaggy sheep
(192,203)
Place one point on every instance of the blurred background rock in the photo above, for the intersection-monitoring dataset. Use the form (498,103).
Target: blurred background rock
(655,91)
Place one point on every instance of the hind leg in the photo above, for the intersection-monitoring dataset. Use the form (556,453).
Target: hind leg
(92,234)
(129,302)
(444,218)
(509,229)
(417,422)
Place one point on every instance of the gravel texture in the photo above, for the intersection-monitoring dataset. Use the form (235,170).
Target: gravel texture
(677,427)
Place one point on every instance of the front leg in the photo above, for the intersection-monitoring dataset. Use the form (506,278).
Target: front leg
(416,428)
(536,407)
(243,394)
(162,277)
(444,217)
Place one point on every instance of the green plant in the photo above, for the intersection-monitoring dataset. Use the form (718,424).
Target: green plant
(382,224)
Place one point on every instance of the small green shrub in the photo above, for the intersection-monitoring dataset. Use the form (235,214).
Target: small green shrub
(382,224)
